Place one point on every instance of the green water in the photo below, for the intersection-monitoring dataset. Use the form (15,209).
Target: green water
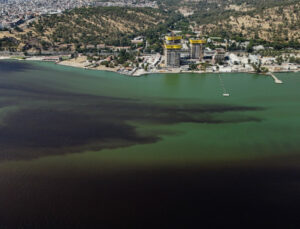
(276,132)
(91,149)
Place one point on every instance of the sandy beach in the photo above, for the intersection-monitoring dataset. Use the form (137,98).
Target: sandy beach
(82,62)
(4,57)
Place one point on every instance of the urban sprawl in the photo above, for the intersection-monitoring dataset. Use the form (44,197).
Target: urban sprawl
(16,12)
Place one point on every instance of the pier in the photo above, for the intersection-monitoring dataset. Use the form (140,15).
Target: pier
(276,80)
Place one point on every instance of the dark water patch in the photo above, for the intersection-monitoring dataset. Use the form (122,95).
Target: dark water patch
(22,88)
(53,121)
(69,122)
(14,88)
(177,197)
(15,66)
(75,126)
(201,113)
(30,90)
(61,131)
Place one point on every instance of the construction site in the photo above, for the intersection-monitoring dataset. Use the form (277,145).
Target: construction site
(177,51)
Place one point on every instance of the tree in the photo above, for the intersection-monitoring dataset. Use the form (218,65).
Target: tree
(250,47)
(259,69)
(193,66)
(279,60)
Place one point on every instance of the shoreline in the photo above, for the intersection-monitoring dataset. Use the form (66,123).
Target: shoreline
(137,73)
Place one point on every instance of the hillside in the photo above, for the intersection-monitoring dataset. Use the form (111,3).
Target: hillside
(275,24)
(269,20)
(273,21)
(85,26)
(214,9)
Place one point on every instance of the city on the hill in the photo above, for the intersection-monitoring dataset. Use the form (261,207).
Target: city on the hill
(16,12)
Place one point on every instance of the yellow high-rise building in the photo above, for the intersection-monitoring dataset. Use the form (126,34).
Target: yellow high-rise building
(196,49)
(172,50)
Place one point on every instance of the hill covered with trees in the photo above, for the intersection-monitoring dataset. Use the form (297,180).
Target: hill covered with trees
(83,27)
(276,22)
(271,21)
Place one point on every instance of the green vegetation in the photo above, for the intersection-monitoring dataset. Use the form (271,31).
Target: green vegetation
(204,66)
(154,34)
(193,66)
(295,60)
(88,29)
(223,18)
(125,56)
(276,27)
(259,69)
(8,44)
(82,29)
(18,57)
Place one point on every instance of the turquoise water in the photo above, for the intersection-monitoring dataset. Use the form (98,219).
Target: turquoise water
(61,127)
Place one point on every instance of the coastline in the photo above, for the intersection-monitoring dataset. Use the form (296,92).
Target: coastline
(81,62)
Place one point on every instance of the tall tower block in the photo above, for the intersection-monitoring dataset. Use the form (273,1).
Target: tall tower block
(197,48)
(172,50)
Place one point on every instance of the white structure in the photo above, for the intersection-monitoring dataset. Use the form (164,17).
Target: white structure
(258,48)
(234,59)
(254,59)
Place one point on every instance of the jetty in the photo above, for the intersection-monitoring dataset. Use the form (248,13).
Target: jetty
(276,80)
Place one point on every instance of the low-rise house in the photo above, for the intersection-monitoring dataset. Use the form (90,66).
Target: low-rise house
(258,47)
(234,59)
(268,60)
(100,46)
(208,54)
(254,59)
(219,56)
